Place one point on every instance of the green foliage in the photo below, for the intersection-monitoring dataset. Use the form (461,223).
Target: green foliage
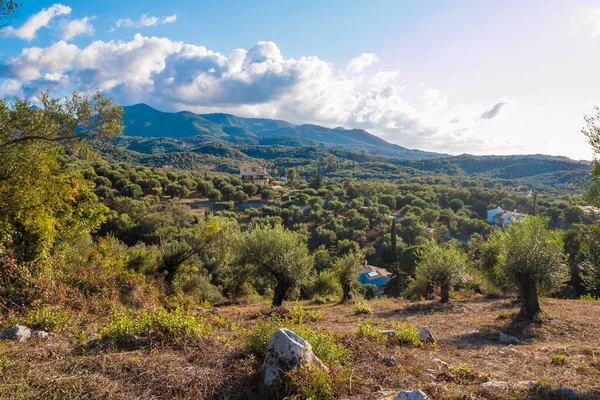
(532,258)
(309,383)
(346,268)
(43,196)
(463,373)
(559,359)
(441,265)
(362,307)
(46,319)
(370,331)
(172,327)
(297,314)
(407,334)
(277,255)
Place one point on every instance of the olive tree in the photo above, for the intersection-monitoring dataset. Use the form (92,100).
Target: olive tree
(592,131)
(441,265)
(277,254)
(43,195)
(531,257)
(346,268)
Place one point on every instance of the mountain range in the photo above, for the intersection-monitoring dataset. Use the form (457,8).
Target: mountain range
(141,120)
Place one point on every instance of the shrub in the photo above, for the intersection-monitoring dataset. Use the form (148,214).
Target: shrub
(407,335)
(369,330)
(559,358)
(173,327)
(368,291)
(362,307)
(46,319)
(297,314)
(309,383)
(326,284)
(463,373)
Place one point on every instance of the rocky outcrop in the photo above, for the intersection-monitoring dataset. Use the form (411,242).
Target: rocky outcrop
(18,333)
(411,395)
(287,351)
(42,335)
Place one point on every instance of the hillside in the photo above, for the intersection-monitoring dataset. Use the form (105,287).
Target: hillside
(144,121)
(307,157)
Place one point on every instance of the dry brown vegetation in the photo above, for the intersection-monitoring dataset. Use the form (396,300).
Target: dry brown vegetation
(218,367)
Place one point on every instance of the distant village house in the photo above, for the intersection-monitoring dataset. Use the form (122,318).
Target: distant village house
(502,217)
(254,173)
(369,274)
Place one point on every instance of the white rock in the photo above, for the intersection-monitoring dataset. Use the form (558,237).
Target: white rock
(496,385)
(287,351)
(414,395)
(512,350)
(504,338)
(526,383)
(438,361)
(18,332)
(426,335)
(42,335)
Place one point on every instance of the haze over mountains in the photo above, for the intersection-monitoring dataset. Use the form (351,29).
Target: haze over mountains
(144,121)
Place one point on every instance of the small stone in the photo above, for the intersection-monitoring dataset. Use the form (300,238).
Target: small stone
(389,333)
(414,395)
(377,388)
(42,335)
(438,361)
(496,385)
(512,350)
(389,361)
(565,393)
(426,335)
(504,338)
(526,383)
(18,332)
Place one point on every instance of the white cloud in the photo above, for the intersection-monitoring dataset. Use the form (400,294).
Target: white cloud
(260,82)
(360,63)
(586,19)
(145,21)
(78,27)
(37,21)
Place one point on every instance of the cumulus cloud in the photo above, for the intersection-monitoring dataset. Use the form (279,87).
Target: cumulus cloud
(493,111)
(77,27)
(36,21)
(257,82)
(146,20)
(362,62)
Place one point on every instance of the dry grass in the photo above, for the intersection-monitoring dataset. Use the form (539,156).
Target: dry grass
(217,368)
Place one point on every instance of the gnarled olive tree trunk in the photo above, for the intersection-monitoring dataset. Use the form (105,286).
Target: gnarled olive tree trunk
(530,305)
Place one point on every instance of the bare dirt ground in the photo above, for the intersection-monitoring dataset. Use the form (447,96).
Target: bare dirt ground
(466,331)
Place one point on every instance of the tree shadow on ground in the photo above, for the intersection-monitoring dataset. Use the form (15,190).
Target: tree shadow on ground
(545,392)
(423,308)
(524,330)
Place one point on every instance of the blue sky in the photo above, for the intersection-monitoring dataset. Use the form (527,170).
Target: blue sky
(452,76)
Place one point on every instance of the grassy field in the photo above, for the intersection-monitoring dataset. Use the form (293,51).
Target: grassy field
(561,350)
